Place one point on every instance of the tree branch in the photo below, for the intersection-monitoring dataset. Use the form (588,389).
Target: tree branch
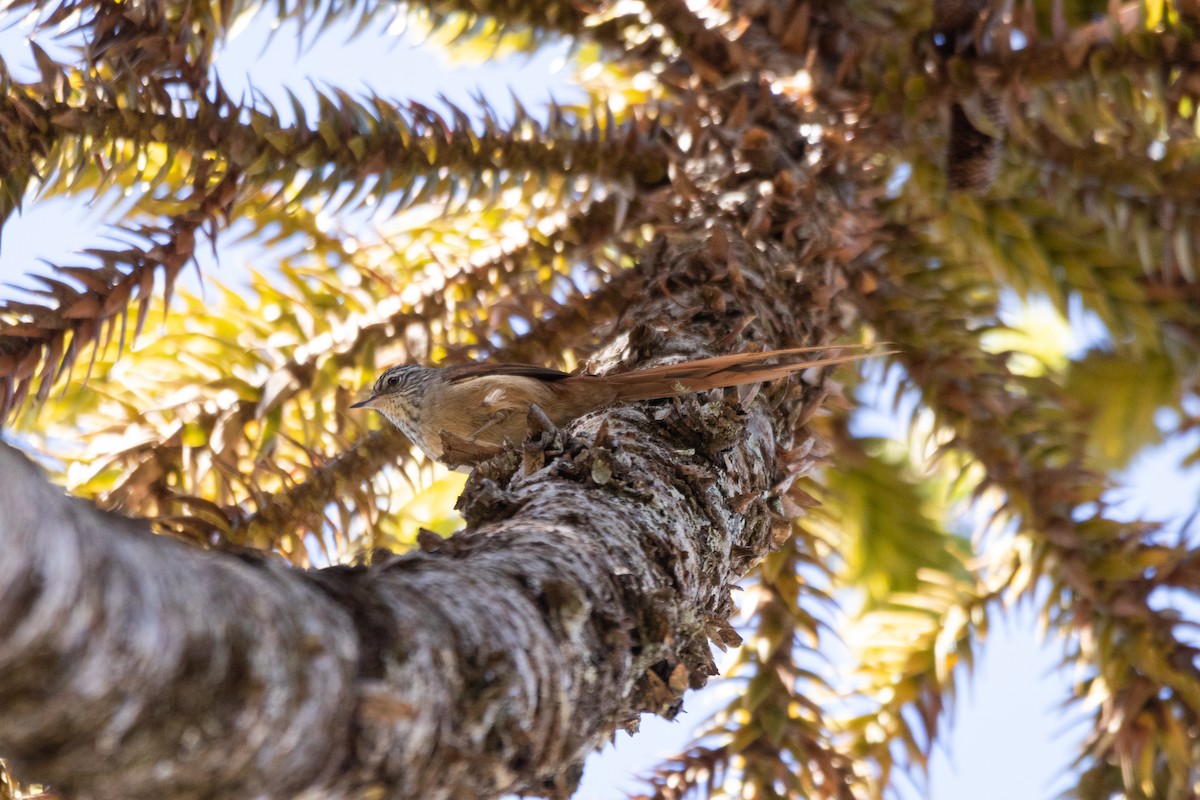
(1047,483)
(303,504)
(584,591)
(39,342)
(223,700)
(484,650)
(583,20)
(151,483)
(405,148)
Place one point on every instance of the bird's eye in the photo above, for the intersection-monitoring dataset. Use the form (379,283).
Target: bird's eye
(392,381)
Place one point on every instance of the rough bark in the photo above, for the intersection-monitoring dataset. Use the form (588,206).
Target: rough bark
(134,666)
(585,591)
(583,594)
(596,567)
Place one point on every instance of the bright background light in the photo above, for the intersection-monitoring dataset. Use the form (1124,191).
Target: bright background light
(1010,738)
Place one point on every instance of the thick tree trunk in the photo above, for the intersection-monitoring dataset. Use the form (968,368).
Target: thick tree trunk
(582,594)
(585,590)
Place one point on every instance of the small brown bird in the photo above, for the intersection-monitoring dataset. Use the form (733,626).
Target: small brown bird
(488,403)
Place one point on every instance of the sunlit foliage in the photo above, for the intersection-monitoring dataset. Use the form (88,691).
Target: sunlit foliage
(222,413)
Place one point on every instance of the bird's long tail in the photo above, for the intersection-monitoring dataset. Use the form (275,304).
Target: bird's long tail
(722,371)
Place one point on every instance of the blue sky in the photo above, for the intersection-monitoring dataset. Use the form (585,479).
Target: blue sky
(1008,738)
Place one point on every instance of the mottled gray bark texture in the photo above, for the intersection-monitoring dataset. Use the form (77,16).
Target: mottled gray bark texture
(596,568)
(583,593)
(134,666)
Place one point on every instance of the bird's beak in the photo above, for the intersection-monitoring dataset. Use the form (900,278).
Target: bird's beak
(366,403)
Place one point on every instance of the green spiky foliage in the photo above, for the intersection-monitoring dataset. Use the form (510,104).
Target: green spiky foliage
(223,416)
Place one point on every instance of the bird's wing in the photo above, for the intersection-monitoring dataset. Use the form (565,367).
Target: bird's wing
(464,371)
